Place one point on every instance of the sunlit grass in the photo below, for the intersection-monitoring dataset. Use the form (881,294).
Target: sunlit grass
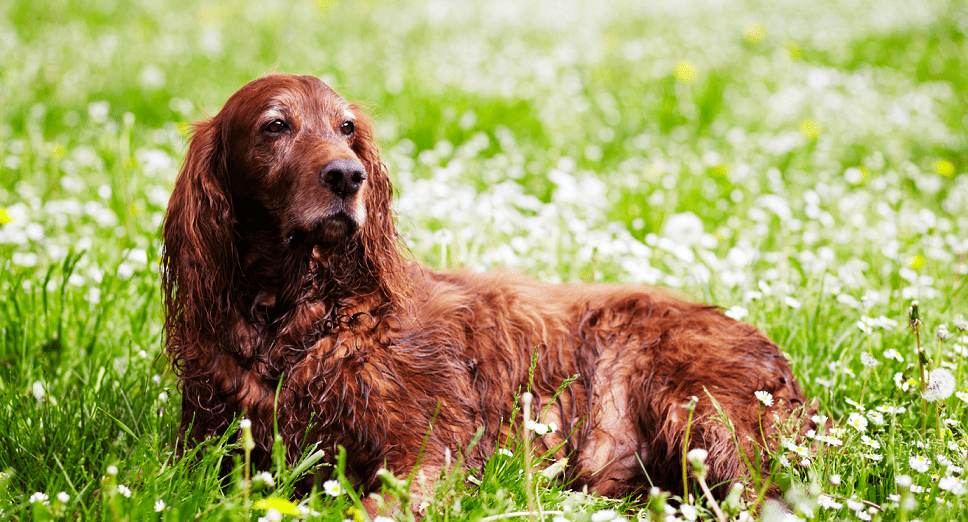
(803,166)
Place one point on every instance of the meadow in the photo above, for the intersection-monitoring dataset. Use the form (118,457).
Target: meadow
(804,165)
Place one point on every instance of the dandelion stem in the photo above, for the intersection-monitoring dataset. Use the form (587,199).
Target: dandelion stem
(915,322)
(685,449)
(710,498)
(526,440)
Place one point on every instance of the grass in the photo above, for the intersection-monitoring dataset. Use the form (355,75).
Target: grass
(805,167)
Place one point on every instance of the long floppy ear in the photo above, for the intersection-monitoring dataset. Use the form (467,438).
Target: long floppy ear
(200,257)
(380,237)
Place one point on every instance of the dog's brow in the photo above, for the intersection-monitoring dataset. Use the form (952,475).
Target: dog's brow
(348,115)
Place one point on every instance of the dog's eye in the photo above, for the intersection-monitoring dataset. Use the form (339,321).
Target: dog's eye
(347,128)
(276,127)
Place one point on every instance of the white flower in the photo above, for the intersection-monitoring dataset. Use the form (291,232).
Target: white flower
(506,452)
(870,442)
(124,491)
(891,353)
(857,421)
(876,457)
(265,478)
(963,396)
(868,360)
(765,397)
(960,323)
(159,505)
(536,427)
(697,456)
(853,505)
(835,479)
(943,332)
(603,515)
(736,312)
(63,497)
(383,519)
(688,512)
(552,427)
(919,463)
(112,470)
(38,497)
(952,484)
(245,424)
(941,384)
(332,488)
(863,515)
(876,417)
(828,502)
(884,408)
(792,302)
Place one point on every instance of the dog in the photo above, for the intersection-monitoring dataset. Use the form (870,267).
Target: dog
(290,301)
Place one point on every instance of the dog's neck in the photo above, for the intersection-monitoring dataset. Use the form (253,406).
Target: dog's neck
(280,274)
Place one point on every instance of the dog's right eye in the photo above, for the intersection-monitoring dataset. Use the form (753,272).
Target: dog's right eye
(276,127)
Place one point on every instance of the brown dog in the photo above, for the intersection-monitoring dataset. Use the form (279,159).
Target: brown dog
(282,271)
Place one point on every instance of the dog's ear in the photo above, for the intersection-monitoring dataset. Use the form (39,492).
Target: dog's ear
(379,235)
(200,257)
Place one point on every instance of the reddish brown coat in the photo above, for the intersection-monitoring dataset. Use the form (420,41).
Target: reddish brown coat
(274,282)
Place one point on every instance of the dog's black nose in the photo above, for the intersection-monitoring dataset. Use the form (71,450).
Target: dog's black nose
(343,176)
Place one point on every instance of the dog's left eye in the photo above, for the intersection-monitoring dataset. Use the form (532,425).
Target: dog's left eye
(276,127)
(347,128)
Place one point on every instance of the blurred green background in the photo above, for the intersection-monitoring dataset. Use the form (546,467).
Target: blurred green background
(801,164)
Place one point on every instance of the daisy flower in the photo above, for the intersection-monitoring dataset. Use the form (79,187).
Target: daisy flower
(765,397)
(857,421)
(919,463)
(332,488)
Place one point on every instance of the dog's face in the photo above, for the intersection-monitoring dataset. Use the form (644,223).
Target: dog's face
(293,154)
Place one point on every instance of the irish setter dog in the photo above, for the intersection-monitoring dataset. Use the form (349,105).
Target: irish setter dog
(290,301)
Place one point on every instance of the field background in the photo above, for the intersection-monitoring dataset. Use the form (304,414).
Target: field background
(802,164)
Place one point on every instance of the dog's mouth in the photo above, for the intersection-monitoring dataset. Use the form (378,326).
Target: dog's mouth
(328,231)
(335,228)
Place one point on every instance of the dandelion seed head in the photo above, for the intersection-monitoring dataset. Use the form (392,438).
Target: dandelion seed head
(941,384)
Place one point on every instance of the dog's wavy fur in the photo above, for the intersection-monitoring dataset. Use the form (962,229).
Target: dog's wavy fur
(275,281)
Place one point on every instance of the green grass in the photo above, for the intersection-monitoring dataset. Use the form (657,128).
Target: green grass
(804,165)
